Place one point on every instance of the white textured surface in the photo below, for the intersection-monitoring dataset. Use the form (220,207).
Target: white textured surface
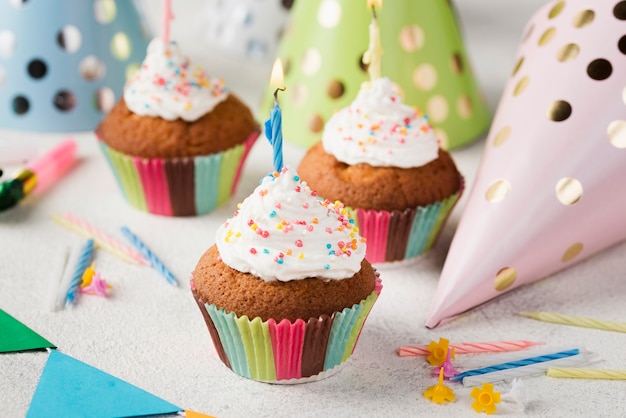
(153,336)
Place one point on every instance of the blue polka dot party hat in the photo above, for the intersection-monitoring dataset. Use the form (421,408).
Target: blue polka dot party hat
(63,63)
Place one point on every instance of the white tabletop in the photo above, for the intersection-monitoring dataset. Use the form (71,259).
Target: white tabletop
(153,336)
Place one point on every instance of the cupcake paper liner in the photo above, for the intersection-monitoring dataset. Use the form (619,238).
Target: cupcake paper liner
(398,235)
(285,351)
(184,186)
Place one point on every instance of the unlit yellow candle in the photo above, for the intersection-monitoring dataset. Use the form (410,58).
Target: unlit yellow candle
(577,321)
(585,373)
(373,55)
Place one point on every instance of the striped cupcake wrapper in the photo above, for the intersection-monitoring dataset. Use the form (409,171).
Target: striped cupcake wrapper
(185,186)
(286,352)
(399,235)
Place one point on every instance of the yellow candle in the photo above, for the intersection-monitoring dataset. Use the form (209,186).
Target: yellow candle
(577,321)
(583,373)
(372,56)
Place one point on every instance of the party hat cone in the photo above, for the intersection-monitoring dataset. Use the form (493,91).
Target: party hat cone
(246,30)
(320,57)
(63,63)
(550,189)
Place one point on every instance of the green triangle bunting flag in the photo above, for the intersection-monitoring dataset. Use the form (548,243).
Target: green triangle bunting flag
(15,336)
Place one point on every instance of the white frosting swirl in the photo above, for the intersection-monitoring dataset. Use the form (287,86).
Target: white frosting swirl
(282,231)
(379,130)
(168,86)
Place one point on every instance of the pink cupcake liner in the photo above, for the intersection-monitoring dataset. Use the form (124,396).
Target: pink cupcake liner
(399,235)
(286,352)
(185,186)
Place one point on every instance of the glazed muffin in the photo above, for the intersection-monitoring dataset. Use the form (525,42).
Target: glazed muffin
(382,159)
(178,139)
(286,283)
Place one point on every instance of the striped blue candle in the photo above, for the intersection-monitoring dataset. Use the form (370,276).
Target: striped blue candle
(517,363)
(150,256)
(274,132)
(79,269)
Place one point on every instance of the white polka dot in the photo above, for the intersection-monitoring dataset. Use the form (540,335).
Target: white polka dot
(329,13)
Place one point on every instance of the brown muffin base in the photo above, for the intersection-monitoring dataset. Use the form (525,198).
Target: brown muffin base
(245,294)
(380,188)
(228,124)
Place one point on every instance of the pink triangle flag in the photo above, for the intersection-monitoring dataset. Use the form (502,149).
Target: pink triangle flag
(71,388)
(15,336)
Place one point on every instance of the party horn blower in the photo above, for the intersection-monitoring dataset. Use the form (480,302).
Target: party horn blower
(550,190)
(321,57)
(38,174)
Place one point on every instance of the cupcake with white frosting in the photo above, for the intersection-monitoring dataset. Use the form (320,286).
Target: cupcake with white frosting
(178,138)
(286,289)
(382,159)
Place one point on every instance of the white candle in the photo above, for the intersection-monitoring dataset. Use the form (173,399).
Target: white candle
(372,56)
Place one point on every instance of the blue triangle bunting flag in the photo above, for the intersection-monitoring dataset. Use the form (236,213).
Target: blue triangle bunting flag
(71,388)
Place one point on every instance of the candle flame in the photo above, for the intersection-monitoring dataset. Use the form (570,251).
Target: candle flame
(375,3)
(277,77)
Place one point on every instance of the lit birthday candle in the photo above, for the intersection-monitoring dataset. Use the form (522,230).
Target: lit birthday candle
(373,55)
(585,373)
(274,132)
(577,321)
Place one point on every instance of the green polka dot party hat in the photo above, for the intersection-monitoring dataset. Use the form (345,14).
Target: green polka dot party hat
(320,60)
(63,63)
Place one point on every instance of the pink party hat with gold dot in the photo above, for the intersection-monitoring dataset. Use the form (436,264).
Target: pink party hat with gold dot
(550,190)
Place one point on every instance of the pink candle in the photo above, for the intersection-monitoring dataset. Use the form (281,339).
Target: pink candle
(167,17)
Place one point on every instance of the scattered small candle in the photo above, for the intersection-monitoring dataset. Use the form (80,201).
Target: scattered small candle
(467,348)
(586,373)
(79,270)
(577,321)
(150,256)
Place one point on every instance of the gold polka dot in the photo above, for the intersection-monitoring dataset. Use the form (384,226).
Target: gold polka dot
(498,191)
(521,86)
(329,13)
(316,123)
(583,18)
(568,52)
(464,106)
(559,111)
(437,108)
(569,191)
(502,136)
(131,69)
(425,77)
(299,95)
(456,63)
(617,133)
(311,61)
(120,46)
(518,65)
(442,136)
(556,10)
(528,33)
(335,89)
(547,36)
(505,278)
(411,38)
(572,252)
